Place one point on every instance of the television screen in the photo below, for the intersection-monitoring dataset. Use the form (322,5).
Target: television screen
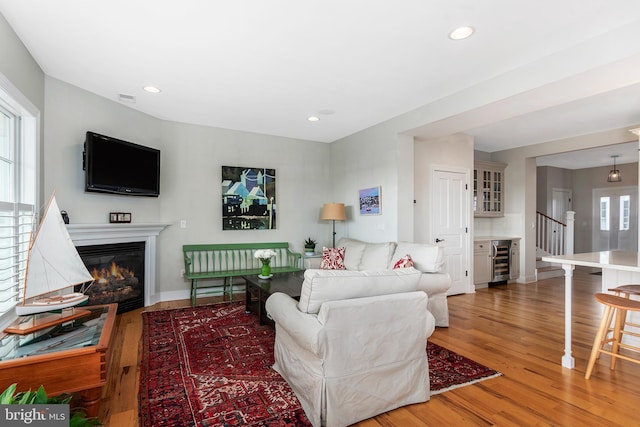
(120,167)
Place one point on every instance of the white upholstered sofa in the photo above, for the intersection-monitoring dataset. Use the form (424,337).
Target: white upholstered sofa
(354,345)
(427,258)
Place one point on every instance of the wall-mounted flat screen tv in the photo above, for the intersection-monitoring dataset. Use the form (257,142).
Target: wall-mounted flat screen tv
(120,167)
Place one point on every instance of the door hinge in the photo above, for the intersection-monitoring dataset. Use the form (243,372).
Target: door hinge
(466,273)
(466,186)
(466,229)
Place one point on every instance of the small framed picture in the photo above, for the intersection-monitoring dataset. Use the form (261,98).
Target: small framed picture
(370,201)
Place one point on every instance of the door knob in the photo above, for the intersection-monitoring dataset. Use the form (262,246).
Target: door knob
(439,240)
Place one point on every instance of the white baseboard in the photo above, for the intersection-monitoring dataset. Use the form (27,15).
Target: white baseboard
(186,293)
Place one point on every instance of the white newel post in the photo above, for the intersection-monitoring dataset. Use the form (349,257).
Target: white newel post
(103,234)
(571,219)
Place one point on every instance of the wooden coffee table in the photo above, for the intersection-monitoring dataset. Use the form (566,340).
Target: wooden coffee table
(258,290)
(64,359)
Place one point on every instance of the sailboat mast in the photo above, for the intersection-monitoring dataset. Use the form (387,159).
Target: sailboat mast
(26,269)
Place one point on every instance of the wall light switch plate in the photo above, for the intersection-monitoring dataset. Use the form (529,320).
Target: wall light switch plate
(118,217)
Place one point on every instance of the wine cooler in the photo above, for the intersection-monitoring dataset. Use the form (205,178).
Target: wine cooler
(501,260)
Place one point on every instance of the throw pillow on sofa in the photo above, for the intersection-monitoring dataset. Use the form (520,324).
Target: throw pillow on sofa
(426,257)
(404,262)
(332,259)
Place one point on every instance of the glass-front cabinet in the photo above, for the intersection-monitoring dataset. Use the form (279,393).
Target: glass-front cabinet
(488,189)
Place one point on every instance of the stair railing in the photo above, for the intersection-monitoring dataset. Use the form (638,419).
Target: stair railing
(551,235)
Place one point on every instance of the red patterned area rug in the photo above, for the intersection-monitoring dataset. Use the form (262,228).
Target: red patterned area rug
(211,366)
(449,370)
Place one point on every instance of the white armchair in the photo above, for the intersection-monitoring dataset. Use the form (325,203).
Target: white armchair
(351,359)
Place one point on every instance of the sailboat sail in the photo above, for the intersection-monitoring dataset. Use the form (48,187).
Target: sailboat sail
(53,263)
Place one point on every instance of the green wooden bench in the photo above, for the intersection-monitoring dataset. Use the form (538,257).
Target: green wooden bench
(228,260)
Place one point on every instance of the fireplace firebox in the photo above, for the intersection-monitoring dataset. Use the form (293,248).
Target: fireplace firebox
(118,273)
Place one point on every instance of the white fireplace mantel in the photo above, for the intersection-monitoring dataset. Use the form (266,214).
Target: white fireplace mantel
(104,234)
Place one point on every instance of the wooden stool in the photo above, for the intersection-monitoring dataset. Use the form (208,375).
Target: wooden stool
(622,305)
(626,290)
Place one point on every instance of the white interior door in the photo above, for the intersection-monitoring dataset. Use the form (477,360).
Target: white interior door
(451,213)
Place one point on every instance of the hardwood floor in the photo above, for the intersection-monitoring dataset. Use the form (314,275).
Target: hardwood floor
(515,329)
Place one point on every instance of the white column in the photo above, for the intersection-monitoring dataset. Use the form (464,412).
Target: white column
(568,361)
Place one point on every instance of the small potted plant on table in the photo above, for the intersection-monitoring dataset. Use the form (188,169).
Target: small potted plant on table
(309,246)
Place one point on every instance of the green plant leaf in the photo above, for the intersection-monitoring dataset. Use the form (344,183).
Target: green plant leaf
(6,398)
(62,398)
(78,419)
(25,397)
(40,396)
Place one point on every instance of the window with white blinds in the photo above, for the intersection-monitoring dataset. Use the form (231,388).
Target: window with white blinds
(17,198)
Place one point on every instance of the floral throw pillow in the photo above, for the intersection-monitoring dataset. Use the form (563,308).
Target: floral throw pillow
(332,259)
(404,262)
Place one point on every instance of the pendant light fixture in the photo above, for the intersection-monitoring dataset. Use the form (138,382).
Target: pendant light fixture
(614,174)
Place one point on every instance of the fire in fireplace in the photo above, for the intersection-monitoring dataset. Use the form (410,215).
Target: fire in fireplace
(118,271)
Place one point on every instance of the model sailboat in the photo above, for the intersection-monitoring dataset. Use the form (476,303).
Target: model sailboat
(53,266)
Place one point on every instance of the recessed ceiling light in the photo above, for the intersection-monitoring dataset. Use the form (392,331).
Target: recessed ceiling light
(461,33)
(313,118)
(152,89)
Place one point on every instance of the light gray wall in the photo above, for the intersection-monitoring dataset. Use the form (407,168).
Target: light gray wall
(384,155)
(191,161)
(19,69)
(481,156)
(541,187)
(194,156)
(367,159)
(549,178)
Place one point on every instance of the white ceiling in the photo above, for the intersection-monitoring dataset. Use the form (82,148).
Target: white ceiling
(592,158)
(265,66)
